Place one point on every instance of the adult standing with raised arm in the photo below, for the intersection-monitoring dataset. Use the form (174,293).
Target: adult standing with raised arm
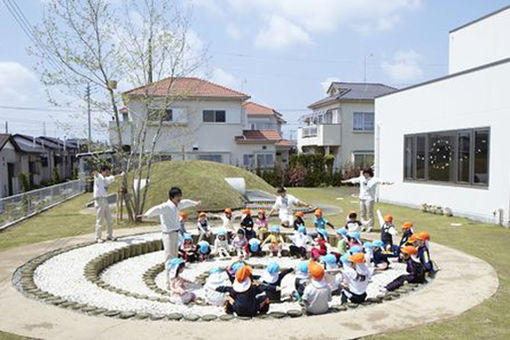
(367,190)
(103,215)
(285,204)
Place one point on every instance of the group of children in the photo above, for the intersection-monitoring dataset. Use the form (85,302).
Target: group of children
(325,270)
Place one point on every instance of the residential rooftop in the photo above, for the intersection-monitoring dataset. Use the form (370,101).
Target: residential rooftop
(353,91)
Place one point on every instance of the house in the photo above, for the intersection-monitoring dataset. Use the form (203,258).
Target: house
(445,142)
(342,124)
(204,120)
(9,166)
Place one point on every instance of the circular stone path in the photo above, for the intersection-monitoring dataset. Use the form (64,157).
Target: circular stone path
(444,297)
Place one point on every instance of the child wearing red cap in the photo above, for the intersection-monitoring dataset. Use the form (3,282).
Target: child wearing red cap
(356,277)
(415,270)
(317,294)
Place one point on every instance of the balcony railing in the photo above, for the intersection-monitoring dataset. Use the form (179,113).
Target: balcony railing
(309,131)
(320,135)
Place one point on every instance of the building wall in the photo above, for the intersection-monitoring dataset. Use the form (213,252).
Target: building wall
(476,99)
(480,43)
(353,141)
(270,121)
(8,155)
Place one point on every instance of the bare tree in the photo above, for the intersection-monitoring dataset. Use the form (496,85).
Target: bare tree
(134,43)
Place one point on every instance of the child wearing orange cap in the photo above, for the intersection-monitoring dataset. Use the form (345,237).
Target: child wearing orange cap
(415,270)
(320,222)
(227,219)
(203,227)
(299,220)
(387,232)
(246,298)
(261,223)
(407,232)
(317,294)
(420,241)
(183,217)
(356,277)
(247,224)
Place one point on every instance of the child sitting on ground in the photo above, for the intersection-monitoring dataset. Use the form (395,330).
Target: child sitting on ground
(188,250)
(333,275)
(353,225)
(227,219)
(301,280)
(299,241)
(261,223)
(317,293)
(342,245)
(247,224)
(320,222)
(420,241)
(216,278)
(239,243)
(368,248)
(244,297)
(322,243)
(380,256)
(177,285)
(415,270)
(353,239)
(204,251)
(407,232)
(272,280)
(356,277)
(253,248)
(299,220)
(387,232)
(203,227)
(221,246)
(275,241)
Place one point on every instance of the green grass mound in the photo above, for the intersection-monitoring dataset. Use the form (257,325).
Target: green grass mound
(203,181)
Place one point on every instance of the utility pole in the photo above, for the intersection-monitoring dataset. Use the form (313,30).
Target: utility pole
(6,127)
(88,116)
(44,128)
(149,76)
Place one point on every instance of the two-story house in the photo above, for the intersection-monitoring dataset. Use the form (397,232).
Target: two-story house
(205,121)
(342,124)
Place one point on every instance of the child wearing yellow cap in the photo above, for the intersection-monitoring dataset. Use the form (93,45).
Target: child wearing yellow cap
(415,270)
(317,294)
(356,277)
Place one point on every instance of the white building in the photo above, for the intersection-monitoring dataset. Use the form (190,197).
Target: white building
(342,124)
(446,142)
(205,121)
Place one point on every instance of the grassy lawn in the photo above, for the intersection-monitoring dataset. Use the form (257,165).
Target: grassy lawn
(488,242)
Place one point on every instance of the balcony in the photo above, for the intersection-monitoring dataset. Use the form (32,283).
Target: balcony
(319,135)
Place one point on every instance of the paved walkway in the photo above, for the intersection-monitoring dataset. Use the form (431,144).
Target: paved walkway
(463,282)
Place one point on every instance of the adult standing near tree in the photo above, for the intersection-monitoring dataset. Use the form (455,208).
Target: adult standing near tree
(367,189)
(103,215)
(168,213)
(285,204)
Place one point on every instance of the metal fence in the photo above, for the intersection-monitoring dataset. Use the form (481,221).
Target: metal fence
(16,208)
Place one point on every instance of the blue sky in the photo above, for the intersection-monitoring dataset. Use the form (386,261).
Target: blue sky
(281,52)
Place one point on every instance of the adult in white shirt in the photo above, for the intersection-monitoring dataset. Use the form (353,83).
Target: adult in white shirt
(168,213)
(367,191)
(285,204)
(103,215)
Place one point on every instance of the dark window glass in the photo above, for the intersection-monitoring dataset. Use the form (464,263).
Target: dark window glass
(220,116)
(463,158)
(441,153)
(408,157)
(481,156)
(420,157)
(168,115)
(208,116)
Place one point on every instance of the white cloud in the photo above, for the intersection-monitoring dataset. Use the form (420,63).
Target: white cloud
(406,66)
(327,82)
(281,33)
(224,78)
(233,31)
(18,84)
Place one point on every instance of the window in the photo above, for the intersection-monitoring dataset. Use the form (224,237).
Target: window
(211,158)
(363,121)
(460,156)
(165,115)
(214,116)
(248,161)
(363,160)
(265,160)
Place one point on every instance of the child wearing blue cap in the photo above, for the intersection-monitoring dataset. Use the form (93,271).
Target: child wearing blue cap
(380,256)
(253,248)
(322,243)
(342,245)
(369,253)
(188,250)
(299,241)
(272,280)
(353,239)
(333,275)
(204,250)
(221,246)
(301,279)
(177,285)
(275,241)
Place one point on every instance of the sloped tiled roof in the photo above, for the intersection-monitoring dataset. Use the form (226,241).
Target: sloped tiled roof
(354,91)
(187,87)
(5,138)
(262,136)
(255,109)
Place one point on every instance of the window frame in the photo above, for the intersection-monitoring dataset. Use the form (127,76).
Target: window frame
(215,116)
(455,159)
(363,115)
(364,154)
